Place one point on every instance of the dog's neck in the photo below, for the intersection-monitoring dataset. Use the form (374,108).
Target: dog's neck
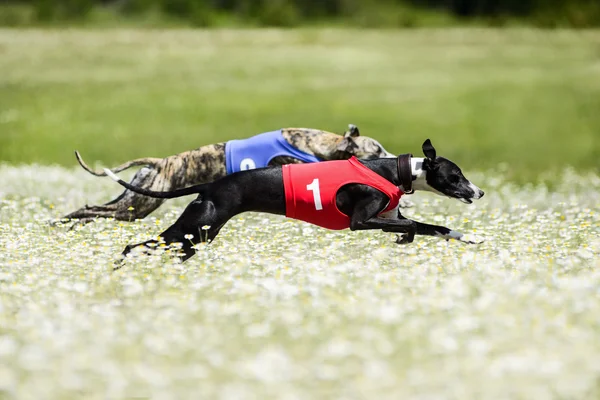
(388,168)
(419,175)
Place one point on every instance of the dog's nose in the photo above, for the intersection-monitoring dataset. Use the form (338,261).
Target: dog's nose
(481,193)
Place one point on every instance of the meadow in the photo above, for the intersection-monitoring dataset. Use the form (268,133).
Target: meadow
(281,309)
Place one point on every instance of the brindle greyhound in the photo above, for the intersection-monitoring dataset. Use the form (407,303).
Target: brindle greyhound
(208,163)
(265,190)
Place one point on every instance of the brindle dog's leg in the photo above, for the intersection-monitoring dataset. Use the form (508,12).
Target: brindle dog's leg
(129,205)
(201,165)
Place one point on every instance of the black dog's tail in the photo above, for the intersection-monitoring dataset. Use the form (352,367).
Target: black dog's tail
(151,193)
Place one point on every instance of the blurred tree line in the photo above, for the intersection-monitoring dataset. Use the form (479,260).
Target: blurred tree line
(372,13)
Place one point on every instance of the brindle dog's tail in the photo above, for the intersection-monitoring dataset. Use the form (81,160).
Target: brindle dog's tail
(122,167)
(151,193)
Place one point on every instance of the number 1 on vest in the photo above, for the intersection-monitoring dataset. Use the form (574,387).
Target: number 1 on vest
(314,187)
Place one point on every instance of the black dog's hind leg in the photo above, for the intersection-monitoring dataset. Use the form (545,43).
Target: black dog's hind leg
(199,222)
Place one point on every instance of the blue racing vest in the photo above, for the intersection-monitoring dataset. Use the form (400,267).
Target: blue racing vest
(257,151)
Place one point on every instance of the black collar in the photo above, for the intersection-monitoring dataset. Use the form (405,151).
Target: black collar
(405,172)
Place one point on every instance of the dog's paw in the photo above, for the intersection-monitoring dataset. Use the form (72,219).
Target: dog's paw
(53,223)
(471,239)
(402,238)
(119,263)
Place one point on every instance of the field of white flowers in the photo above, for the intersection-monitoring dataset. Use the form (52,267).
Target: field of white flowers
(281,309)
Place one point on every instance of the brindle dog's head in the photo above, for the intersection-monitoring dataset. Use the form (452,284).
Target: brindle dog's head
(363,147)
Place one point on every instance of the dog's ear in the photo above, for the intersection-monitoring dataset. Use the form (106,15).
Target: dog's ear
(352,131)
(429,150)
(429,165)
(347,145)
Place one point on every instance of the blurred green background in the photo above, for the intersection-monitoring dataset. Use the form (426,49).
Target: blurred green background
(123,79)
(371,13)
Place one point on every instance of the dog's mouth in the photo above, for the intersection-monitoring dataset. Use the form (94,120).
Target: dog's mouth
(462,196)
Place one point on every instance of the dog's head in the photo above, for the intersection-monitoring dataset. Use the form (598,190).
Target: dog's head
(442,176)
(362,147)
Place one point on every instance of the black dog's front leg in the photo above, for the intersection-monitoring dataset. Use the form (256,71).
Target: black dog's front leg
(437,231)
(406,226)
(364,217)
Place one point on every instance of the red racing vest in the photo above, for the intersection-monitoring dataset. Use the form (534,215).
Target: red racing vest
(311,189)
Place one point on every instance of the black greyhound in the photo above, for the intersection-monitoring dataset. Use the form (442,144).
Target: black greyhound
(262,190)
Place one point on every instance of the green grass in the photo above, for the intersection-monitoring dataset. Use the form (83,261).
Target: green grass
(281,309)
(524,98)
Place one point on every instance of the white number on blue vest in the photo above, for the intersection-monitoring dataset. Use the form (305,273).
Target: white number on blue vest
(246,164)
(314,187)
